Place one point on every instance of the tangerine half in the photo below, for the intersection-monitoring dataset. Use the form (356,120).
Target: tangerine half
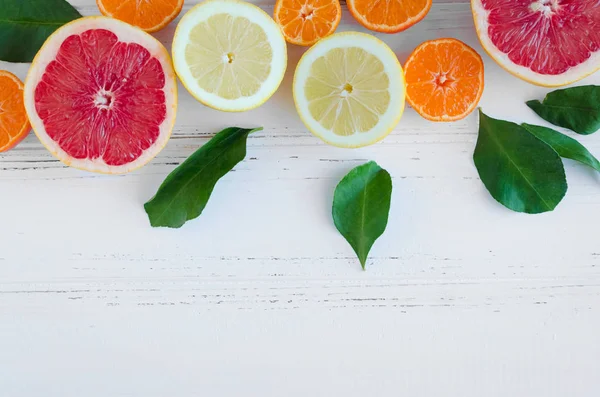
(444,79)
(388,16)
(148,15)
(14,125)
(304,22)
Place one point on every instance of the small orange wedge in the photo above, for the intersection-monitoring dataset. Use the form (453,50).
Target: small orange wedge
(388,16)
(14,125)
(444,79)
(149,15)
(304,22)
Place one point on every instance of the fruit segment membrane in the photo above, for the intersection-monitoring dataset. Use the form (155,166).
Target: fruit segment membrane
(347,90)
(547,36)
(229,56)
(102,98)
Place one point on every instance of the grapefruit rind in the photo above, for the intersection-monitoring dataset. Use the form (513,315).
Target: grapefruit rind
(383,28)
(480,17)
(125,33)
(393,70)
(201,12)
(24,131)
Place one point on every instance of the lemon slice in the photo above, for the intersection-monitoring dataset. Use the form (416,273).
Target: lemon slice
(229,54)
(349,89)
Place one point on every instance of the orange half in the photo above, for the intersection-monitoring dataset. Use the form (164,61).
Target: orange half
(304,22)
(14,125)
(388,16)
(148,15)
(444,79)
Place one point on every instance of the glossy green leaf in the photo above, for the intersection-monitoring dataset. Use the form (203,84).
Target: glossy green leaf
(575,108)
(26,24)
(185,192)
(361,204)
(519,170)
(565,146)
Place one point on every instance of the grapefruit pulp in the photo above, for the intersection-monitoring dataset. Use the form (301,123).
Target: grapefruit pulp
(545,42)
(101,95)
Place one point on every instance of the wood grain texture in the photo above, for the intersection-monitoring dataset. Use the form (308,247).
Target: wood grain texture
(261,296)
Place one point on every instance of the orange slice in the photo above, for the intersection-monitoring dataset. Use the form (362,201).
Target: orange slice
(304,22)
(444,79)
(14,125)
(388,16)
(149,15)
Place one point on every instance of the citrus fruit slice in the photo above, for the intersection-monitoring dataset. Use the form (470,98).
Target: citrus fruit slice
(14,125)
(349,89)
(149,15)
(101,95)
(444,79)
(388,16)
(545,42)
(229,54)
(307,21)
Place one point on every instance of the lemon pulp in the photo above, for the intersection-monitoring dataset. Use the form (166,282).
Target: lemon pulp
(229,56)
(347,91)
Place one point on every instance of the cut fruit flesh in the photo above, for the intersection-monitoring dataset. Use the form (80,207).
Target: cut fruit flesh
(229,54)
(14,125)
(349,89)
(444,79)
(101,95)
(306,22)
(545,42)
(148,15)
(388,16)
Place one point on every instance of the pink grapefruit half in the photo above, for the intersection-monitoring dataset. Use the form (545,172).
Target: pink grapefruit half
(101,95)
(545,42)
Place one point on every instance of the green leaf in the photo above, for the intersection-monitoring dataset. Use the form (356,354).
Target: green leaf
(565,146)
(575,108)
(185,192)
(361,204)
(26,24)
(520,171)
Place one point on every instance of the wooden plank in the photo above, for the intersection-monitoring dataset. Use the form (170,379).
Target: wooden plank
(261,296)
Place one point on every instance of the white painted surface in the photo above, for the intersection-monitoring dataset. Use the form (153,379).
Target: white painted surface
(260,296)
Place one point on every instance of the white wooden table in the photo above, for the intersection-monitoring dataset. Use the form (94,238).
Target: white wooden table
(261,296)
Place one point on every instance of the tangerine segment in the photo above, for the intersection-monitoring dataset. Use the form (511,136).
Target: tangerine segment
(14,125)
(388,16)
(444,79)
(304,22)
(149,15)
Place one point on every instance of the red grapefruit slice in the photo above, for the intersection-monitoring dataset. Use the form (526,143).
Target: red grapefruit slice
(545,42)
(101,95)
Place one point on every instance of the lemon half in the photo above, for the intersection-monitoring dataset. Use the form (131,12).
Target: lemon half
(349,89)
(229,54)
